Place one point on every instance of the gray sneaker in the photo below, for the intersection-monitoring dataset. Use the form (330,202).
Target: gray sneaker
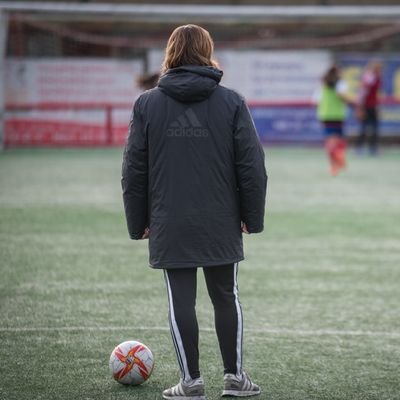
(234,386)
(185,391)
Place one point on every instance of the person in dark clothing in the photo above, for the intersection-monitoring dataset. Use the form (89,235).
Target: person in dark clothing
(368,107)
(193,180)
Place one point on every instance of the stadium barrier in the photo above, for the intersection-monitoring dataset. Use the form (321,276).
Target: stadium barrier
(66,124)
(106,124)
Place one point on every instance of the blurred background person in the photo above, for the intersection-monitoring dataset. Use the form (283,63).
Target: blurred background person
(332,99)
(367,110)
(148,81)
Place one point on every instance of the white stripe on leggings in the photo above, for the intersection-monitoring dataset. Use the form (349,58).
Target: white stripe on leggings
(176,334)
(239,336)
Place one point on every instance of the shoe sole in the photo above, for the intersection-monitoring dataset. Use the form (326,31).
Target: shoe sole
(240,393)
(184,397)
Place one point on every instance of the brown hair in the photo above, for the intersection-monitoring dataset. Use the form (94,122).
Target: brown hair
(188,45)
(148,81)
(331,77)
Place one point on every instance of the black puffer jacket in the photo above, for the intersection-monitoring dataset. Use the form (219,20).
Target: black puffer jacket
(193,169)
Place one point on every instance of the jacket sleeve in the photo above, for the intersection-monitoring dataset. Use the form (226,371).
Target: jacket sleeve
(250,171)
(135,176)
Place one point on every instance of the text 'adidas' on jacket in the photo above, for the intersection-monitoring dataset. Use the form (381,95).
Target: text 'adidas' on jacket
(193,169)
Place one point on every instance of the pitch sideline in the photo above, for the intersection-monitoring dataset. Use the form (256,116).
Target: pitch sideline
(268,331)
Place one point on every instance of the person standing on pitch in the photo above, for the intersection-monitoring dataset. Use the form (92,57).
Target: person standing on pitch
(193,180)
(367,109)
(331,110)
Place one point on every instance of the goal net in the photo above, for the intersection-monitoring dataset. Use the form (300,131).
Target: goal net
(63,87)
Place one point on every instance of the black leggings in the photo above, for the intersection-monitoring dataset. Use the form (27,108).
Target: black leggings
(222,288)
(370,121)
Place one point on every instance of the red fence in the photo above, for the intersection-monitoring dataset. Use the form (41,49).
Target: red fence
(59,124)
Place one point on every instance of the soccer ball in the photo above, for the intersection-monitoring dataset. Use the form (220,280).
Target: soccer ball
(131,363)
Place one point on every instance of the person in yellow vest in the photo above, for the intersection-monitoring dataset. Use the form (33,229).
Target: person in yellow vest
(332,100)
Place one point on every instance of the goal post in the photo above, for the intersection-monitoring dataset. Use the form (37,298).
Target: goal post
(3,45)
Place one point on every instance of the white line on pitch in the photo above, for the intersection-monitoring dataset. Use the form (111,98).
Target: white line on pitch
(271,331)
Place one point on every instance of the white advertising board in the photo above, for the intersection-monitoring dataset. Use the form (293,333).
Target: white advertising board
(38,81)
(267,75)
(94,84)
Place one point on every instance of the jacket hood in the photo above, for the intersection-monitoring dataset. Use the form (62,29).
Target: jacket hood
(190,83)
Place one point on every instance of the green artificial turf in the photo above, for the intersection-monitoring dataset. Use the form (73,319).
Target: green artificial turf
(320,288)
